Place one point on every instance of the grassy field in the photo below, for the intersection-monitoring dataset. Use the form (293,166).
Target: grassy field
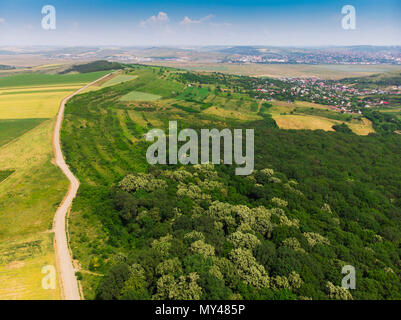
(32,105)
(30,196)
(362,128)
(13,128)
(40,79)
(393,110)
(36,187)
(312,116)
(111,80)
(32,90)
(224,113)
(140,96)
(28,96)
(118,79)
(303,122)
(28,200)
(5,174)
(21,266)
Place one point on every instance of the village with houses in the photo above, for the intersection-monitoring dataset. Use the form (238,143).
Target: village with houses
(339,96)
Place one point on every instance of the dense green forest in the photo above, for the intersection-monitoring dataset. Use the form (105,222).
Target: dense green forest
(382,122)
(315,202)
(99,65)
(389,79)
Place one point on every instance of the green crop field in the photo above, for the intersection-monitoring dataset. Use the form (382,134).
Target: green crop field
(11,129)
(140,96)
(31,185)
(161,86)
(5,174)
(194,93)
(39,79)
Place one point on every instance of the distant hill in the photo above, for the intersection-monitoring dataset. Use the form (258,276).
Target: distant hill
(94,66)
(244,50)
(4,67)
(7,52)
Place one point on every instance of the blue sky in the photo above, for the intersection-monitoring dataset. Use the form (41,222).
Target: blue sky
(187,23)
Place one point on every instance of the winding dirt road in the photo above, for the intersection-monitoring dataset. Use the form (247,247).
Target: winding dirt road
(66,272)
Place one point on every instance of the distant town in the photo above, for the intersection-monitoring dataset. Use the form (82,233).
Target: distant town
(345,98)
(326,56)
(353,55)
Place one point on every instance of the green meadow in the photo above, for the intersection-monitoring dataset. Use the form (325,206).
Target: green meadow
(13,128)
(5,174)
(32,79)
(140,96)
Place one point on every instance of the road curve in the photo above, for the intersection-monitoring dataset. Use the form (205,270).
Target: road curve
(66,272)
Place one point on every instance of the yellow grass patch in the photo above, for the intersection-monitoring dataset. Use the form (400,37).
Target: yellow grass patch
(31,105)
(110,80)
(363,128)
(224,113)
(30,196)
(306,104)
(304,122)
(34,89)
(98,85)
(21,271)
(391,110)
(311,122)
(308,122)
(28,201)
(30,149)
(283,106)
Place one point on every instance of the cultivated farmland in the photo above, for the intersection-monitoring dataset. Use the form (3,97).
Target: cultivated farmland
(31,186)
(41,79)
(13,128)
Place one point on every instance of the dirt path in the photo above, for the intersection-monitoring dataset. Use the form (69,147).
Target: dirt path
(66,272)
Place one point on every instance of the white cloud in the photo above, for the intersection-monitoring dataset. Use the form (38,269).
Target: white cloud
(188,21)
(161,18)
(2,20)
